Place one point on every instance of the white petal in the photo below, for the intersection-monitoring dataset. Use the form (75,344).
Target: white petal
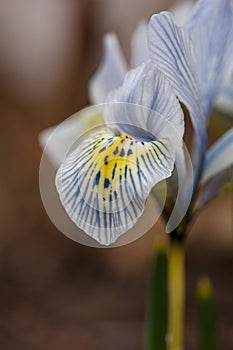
(111,71)
(104,183)
(139,47)
(211,30)
(57,140)
(219,157)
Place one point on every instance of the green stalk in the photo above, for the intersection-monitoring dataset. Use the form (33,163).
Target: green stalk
(206,320)
(176,296)
(156,322)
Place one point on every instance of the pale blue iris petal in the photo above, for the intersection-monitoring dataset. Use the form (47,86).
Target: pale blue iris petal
(219,157)
(211,31)
(111,71)
(181,11)
(139,47)
(104,183)
(147,101)
(171,50)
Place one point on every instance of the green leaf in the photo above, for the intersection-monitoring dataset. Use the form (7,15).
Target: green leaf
(156,316)
(206,318)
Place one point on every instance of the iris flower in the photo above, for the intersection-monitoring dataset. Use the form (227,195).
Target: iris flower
(177,71)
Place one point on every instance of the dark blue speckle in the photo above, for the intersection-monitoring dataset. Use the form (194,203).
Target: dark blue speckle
(114,170)
(106,183)
(97,178)
(126,168)
(102,149)
(122,154)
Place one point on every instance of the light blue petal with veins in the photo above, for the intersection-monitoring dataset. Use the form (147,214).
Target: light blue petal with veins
(171,49)
(211,30)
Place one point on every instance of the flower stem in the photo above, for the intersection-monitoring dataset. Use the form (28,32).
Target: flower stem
(156,320)
(176,296)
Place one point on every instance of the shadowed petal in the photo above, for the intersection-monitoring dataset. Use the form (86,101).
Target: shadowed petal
(110,73)
(219,157)
(104,183)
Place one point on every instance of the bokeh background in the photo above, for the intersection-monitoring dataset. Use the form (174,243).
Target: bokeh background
(55,293)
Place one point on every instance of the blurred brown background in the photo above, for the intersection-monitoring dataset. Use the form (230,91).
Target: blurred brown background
(55,293)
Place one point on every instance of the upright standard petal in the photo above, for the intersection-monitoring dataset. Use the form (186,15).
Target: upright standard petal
(146,100)
(139,47)
(211,31)
(219,157)
(104,183)
(110,73)
(171,49)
